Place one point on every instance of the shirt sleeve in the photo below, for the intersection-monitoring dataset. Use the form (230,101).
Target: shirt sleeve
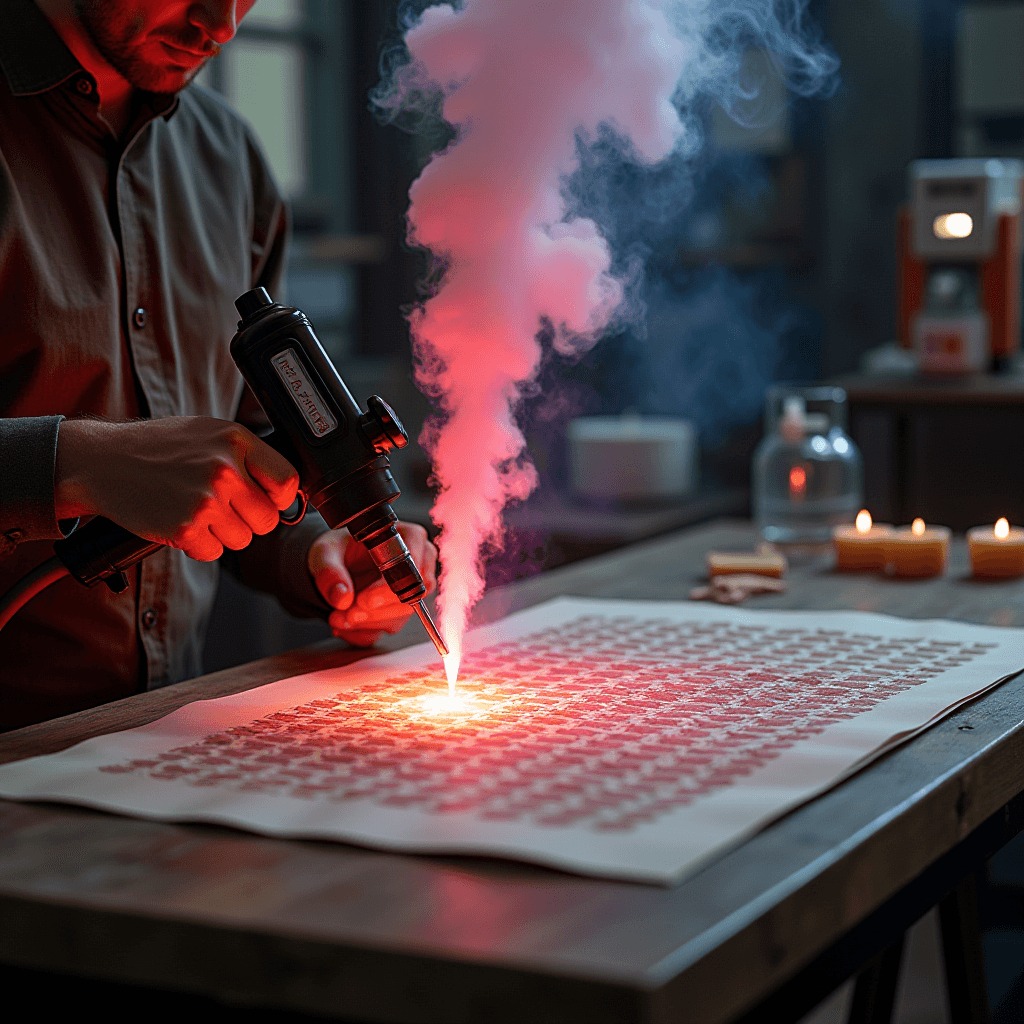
(28,451)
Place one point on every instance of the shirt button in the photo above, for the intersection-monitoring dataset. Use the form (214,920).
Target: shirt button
(149,618)
(84,86)
(140,318)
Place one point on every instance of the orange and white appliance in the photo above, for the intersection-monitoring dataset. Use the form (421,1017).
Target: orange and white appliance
(960,264)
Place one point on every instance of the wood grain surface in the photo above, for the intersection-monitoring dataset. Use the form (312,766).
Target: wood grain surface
(344,932)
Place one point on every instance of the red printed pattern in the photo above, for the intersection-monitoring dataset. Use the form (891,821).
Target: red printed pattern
(606,723)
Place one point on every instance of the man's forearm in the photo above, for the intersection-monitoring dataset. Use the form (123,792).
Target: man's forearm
(71,493)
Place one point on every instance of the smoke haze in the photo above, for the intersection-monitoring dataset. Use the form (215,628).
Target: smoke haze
(533,90)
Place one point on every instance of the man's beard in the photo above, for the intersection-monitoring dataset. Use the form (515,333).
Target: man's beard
(115,36)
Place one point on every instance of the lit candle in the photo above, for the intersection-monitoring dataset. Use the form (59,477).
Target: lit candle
(997,552)
(918,550)
(861,547)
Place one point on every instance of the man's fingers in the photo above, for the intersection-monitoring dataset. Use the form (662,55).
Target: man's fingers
(254,508)
(390,616)
(355,620)
(231,531)
(358,638)
(273,472)
(202,546)
(375,609)
(428,567)
(376,596)
(326,563)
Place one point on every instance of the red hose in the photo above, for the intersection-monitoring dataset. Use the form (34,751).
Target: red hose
(28,586)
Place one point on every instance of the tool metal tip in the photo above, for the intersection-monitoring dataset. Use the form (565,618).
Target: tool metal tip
(428,625)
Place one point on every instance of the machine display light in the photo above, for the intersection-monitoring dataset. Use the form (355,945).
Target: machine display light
(953,225)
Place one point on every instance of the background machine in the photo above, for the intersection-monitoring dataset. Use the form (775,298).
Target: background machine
(960,264)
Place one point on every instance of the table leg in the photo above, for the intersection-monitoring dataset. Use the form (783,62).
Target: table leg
(874,993)
(965,959)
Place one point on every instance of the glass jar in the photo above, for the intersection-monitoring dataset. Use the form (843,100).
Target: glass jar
(807,473)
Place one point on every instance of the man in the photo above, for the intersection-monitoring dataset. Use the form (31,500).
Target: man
(133,211)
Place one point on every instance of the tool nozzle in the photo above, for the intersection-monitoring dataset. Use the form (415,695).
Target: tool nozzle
(428,625)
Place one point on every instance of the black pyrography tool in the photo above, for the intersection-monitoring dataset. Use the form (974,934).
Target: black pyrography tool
(339,451)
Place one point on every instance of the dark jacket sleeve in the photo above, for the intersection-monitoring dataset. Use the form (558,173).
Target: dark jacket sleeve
(276,562)
(28,454)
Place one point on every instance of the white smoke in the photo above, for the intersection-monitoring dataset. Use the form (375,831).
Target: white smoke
(525,84)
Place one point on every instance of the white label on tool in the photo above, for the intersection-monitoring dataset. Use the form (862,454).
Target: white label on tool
(314,409)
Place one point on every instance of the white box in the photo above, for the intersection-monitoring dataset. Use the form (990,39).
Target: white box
(632,457)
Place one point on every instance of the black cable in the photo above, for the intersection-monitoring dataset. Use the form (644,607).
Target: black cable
(29,585)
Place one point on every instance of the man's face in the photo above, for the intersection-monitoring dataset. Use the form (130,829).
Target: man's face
(160,45)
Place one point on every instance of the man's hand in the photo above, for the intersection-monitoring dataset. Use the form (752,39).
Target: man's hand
(193,482)
(364,605)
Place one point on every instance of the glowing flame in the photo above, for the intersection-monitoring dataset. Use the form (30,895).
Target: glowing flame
(917,527)
(1002,528)
(444,704)
(451,670)
(863,521)
(953,225)
(797,482)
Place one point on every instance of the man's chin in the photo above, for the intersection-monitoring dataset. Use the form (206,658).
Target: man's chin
(165,81)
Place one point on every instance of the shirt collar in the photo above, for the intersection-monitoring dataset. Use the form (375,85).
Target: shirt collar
(160,104)
(33,58)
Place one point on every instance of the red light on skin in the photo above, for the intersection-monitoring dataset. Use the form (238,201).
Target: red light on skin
(797,483)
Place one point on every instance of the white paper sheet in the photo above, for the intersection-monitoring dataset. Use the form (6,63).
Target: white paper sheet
(625,739)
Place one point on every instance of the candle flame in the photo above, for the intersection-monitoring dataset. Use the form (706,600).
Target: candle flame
(863,521)
(1002,528)
(917,527)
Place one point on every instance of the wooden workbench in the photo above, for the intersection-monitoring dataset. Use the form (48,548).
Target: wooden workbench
(769,928)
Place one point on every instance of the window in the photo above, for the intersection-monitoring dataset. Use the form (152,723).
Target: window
(285,72)
(261,72)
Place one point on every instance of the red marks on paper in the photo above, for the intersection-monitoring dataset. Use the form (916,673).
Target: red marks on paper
(601,723)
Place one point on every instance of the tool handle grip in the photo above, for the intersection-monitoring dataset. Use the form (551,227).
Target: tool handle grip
(101,550)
